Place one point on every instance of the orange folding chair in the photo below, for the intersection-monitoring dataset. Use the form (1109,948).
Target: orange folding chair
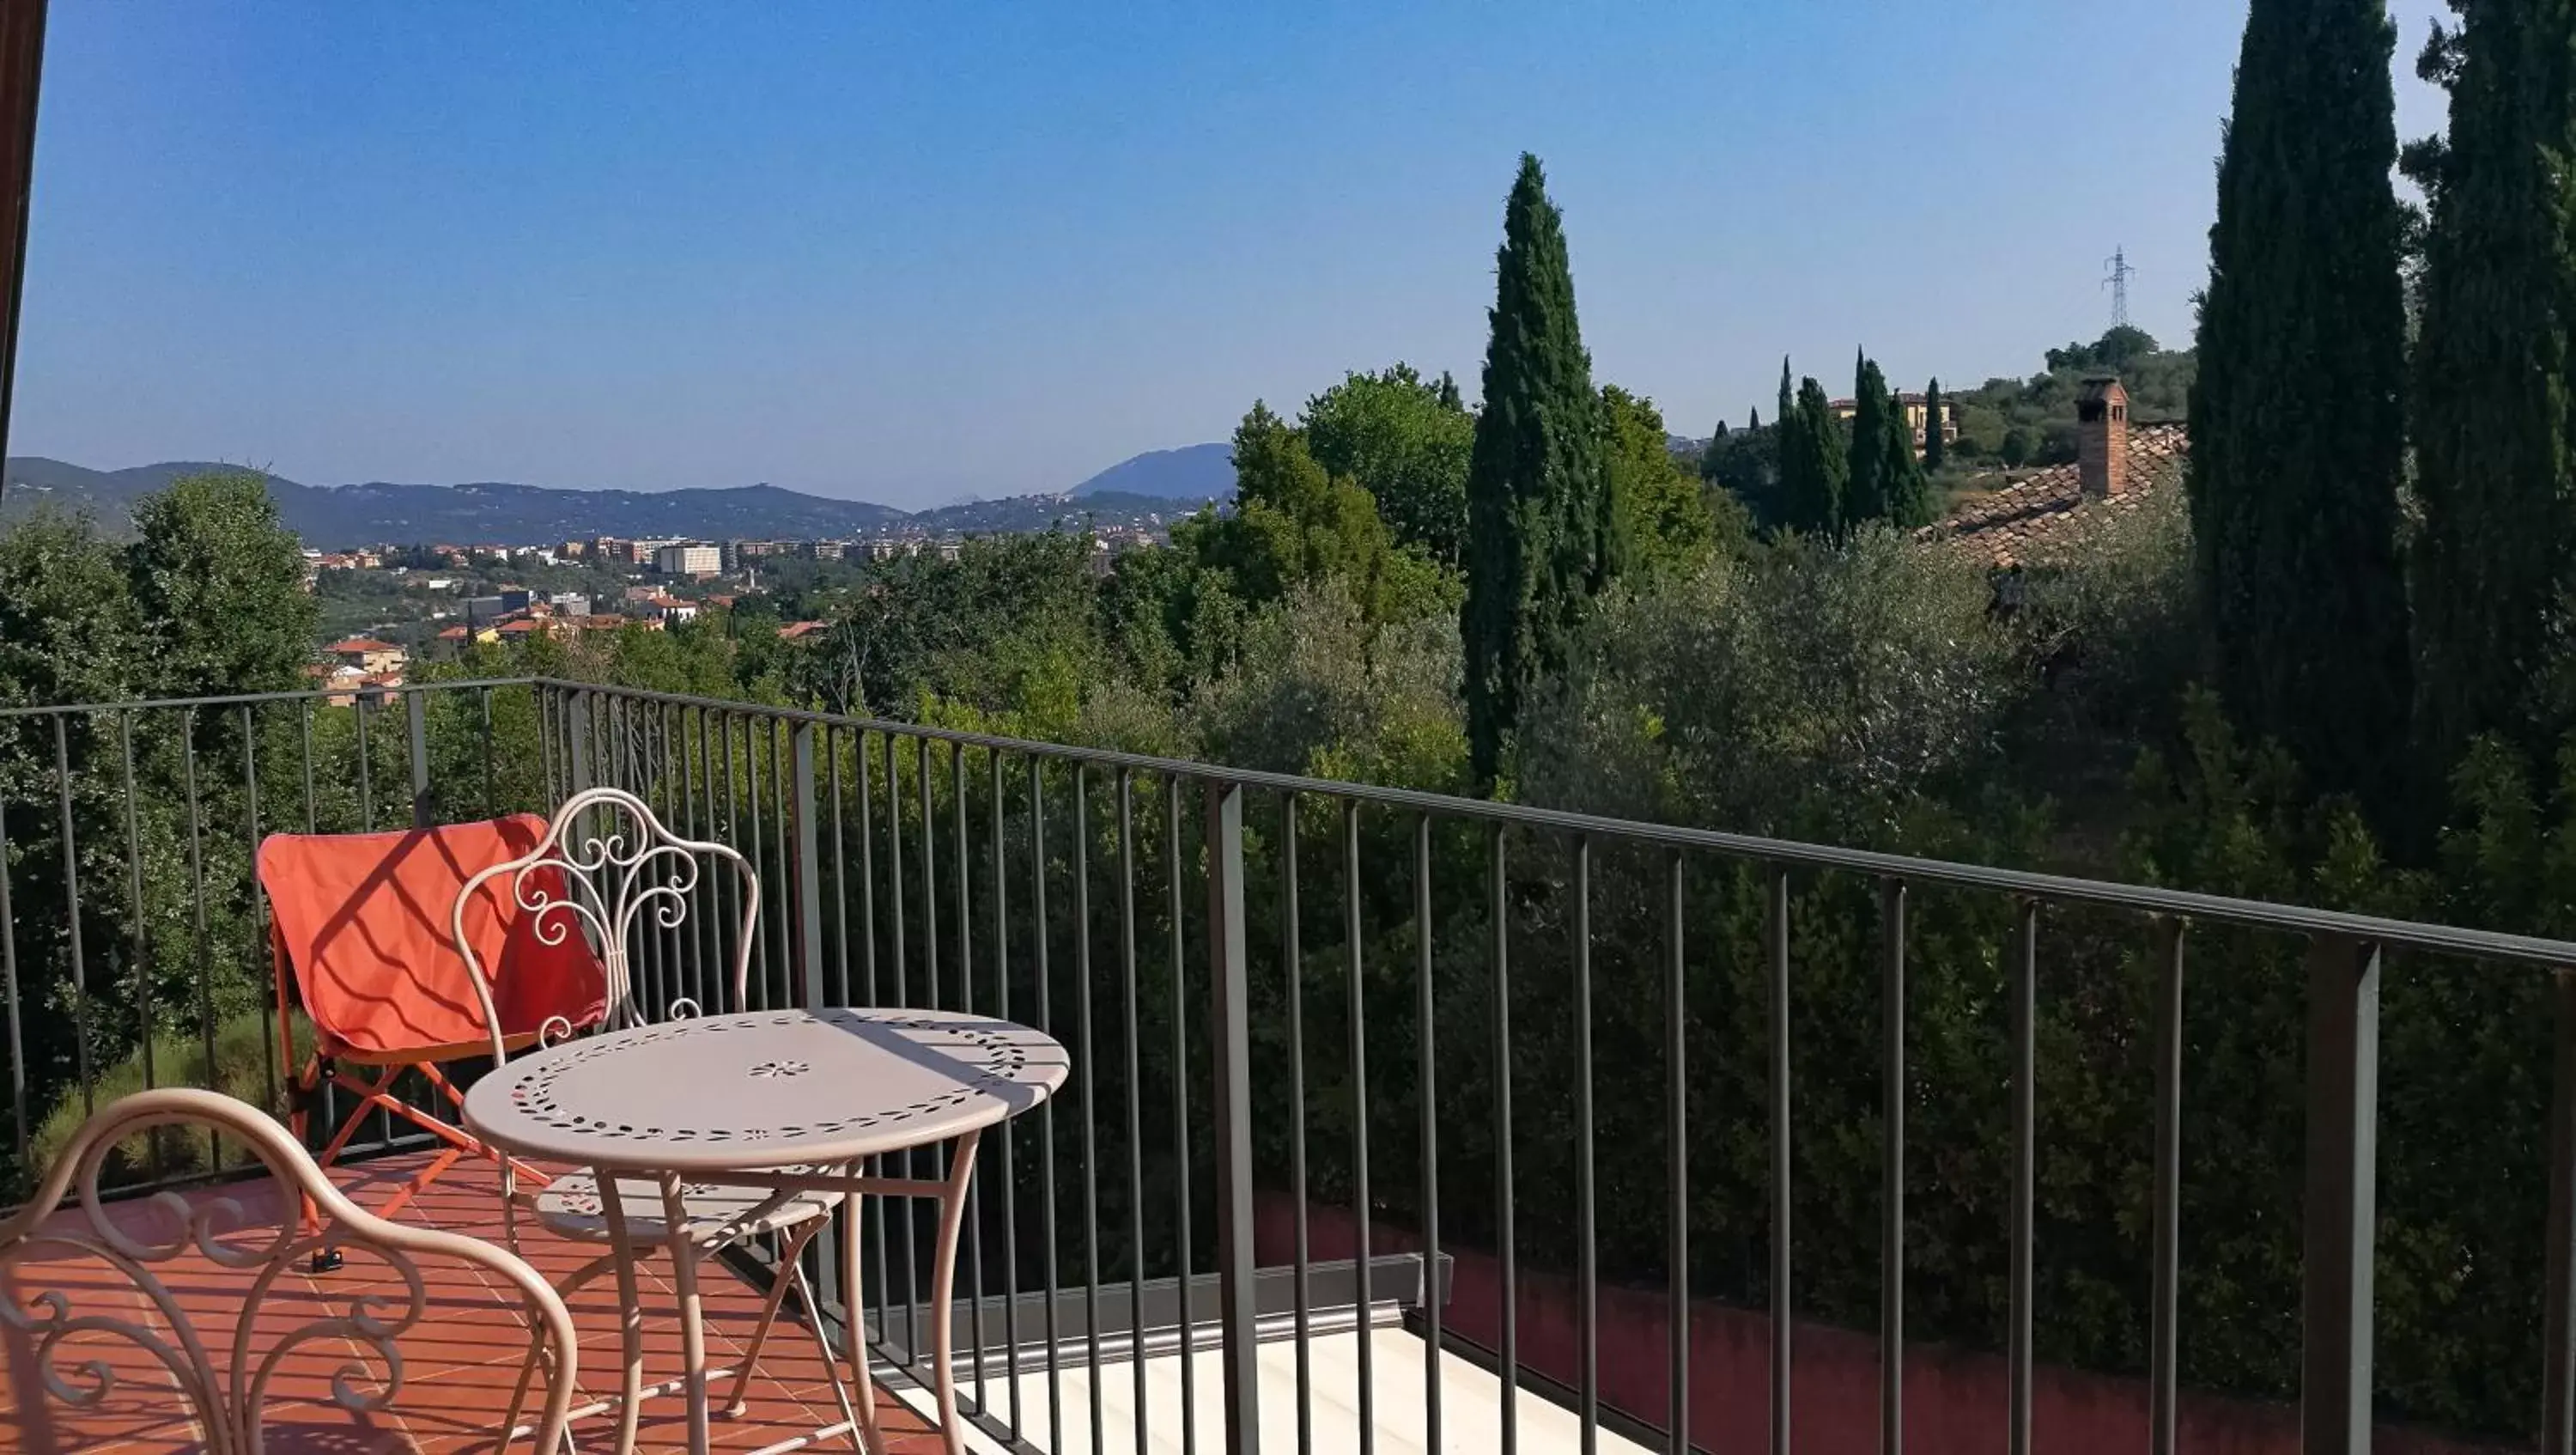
(360,937)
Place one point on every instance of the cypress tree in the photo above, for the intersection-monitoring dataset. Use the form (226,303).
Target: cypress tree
(2493,466)
(1909,494)
(1813,466)
(2296,431)
(1753,420)
(1935,448)
(1542,525)
(1865,496)
(1788,400)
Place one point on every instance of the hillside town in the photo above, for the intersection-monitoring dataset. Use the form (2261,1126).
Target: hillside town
(388,606)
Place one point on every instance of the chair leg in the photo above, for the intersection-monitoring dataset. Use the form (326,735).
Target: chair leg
(792,1258)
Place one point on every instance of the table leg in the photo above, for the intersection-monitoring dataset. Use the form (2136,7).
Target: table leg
(856,1326)
(693,1333)
(630,1314)
(943,1289)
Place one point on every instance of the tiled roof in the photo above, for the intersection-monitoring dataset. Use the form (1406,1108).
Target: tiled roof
(362,644)
(2039,517)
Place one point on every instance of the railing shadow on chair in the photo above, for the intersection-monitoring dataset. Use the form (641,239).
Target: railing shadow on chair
(95,1294)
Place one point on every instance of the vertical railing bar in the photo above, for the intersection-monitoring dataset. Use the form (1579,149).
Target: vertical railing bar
(1891,1308)
(2341,1197)
(2163,1365)
(698,780)
(2558,1303)
(759,987)
(876,1211)
(929,878)
(867,863)
(805,873)
(782,960)
(1782,1290)
(1135,1089)
(689,961)
(1677,1141)
(416,751)
(366,766)
(491,804)
(1292,955)
(840,869)
(1426,1099)
(1230,1057)
(1506,1252)
(959,870)
(1180,1110)
(549,733)
(1046,1109)
(1587,1264)
(1002,1008)
(1090,1093)
(141,939)
(9,983)
(2025,1138)
(1361,1203)
(304,726)
(72,914)
(923,771)
(258,892)
(895,966)
(204,940)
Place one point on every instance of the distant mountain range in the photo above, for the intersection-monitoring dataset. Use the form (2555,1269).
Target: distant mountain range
(333,517)
(1194,473)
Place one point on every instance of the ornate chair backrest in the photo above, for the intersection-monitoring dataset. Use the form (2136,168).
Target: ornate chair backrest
(622,873)
(93,1294)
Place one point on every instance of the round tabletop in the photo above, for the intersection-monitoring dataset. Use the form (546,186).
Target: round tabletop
(765,1089)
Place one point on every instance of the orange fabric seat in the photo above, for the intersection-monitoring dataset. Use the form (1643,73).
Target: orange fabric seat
(360,934)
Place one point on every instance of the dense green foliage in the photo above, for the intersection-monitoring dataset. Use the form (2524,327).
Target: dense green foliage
(2016,422)
(2495,473)
(1544,528)
(2297,425)
(1406,440)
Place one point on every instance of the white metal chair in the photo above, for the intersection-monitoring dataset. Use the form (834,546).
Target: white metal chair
(622,872)
(70,1276)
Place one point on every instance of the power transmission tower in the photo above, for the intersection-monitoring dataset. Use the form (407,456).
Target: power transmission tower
(2117,280)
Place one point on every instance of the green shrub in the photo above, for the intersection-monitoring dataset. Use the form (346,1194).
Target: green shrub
(242,1070)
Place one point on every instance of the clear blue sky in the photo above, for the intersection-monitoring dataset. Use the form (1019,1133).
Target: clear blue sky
(911,252)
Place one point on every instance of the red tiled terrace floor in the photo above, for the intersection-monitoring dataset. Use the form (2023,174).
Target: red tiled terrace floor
(458,1363)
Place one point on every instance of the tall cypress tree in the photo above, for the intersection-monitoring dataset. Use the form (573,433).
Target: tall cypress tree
(1900,470)
(2296,424)
(1865,495)
(2493,464)
(1813,465)
(1935,448)
(1541,524)
(1788,398)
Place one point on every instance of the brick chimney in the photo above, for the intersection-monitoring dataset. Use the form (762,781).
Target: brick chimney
(2102,437)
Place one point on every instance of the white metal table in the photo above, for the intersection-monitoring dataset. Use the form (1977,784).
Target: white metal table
(787,1102)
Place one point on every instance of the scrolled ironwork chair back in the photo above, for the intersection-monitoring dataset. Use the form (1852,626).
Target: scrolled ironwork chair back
(622,874)
(72,1264)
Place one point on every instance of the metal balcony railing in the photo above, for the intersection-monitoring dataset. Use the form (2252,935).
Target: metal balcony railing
(1200,937)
